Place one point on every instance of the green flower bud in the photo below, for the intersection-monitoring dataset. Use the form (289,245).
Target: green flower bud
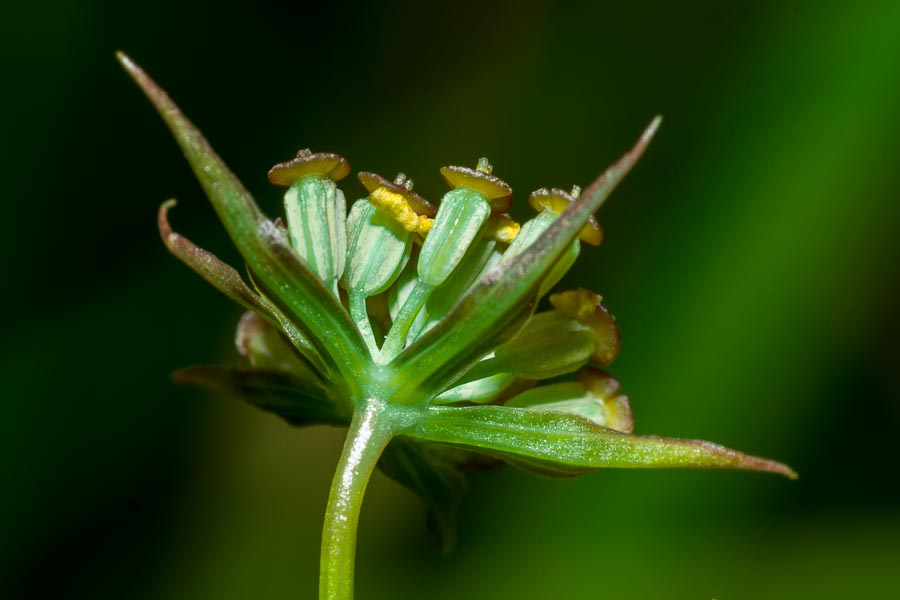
(379,249)
(551,344)
(594,395)
(459,221)
(315,211)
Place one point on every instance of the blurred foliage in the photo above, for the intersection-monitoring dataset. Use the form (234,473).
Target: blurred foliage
(751,260)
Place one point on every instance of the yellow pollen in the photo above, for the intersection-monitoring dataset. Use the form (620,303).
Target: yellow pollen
(502,230)
(424,225)
(399,209)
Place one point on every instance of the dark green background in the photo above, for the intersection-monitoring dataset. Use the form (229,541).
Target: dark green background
(751,260)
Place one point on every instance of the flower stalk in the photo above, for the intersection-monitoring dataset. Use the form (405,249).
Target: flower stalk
(368,435)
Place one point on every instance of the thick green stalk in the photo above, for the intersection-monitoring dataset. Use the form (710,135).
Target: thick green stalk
(369,433)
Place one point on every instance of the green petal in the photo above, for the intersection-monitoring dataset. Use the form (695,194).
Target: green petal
(493,310)
(298,291)
(297,401)
(565,444)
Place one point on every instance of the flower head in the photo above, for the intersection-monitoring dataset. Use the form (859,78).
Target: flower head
(431,312)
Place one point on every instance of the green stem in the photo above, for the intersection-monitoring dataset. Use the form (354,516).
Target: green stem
(369,434)
(396,338)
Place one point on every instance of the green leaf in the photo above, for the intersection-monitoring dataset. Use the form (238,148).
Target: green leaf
(433,475)
(297,401)
(492,310)
(291,284)
(566,444)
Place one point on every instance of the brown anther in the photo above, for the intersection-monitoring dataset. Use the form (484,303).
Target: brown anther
(586,307)
(401,185)
(556,201)
(322,164)
(480,179)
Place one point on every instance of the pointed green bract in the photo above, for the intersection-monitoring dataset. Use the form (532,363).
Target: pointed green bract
(529,233)
(559,270)
(299,292)
(221,275)
(568,444)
